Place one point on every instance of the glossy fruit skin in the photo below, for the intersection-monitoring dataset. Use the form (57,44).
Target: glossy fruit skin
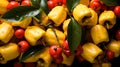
(63,2)
(23,46)
(12,4)
(55,51)
(19,33)
(66,49)
(117,35)
(79,50)
(110,54)
(50,4)
(17,64)
(95,5)
(117,11)
(26,3)
(58,60)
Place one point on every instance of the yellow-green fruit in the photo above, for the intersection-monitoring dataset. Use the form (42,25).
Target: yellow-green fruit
(107,19)
(3,6)
(33,34)
(85,2)
(81,13)
(115,47)
(99,34)
(58,14)
(50,37)
(8,52)
(65,26)
(6,32)
(90,52)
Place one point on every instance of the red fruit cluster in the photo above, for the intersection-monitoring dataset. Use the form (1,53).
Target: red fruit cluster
(110,54)
(53,3)
(56,53)
(13,4)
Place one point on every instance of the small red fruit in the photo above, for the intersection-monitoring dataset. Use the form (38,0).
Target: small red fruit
(17,64)
(117,35)
(23,46)
(12,4)
(80,58)
(110,54)
(19,33)
(65,45)
(58,60)
(51,4)
(26,3)
(30,64)
(117,11)
(55,51)
(63,2)
(79,50)
(95,5)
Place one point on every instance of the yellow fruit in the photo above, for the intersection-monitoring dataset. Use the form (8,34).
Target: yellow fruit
(58,14)
(90,52)
(9,52)
(6,32)
(51,39)
(85,2)
(107,19)
(3,6)
(33,34)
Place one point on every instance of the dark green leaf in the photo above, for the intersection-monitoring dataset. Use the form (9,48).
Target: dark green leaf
(21,12)
(110,2)
(30,52)
(44,6)
(36,3)
(71,4)
(74,34)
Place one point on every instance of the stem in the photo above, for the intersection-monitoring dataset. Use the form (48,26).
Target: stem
(56,37)
(36,19)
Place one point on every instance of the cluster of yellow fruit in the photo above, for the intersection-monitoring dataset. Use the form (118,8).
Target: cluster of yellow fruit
(97,26)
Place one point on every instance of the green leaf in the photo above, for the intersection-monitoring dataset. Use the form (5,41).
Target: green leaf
(21,12)
(44,6)
(110,2)
(36,3)
(71,4)
(30,52)
(74,34)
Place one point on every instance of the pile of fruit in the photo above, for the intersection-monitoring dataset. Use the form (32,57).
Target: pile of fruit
(55,33)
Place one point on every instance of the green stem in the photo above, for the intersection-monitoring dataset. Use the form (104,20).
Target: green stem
(36,19)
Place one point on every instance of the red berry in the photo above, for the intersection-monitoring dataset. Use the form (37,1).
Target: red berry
(63,2)
(26,3)
(67,52)
(23,46)
(80,58)
(55,51)
(65,45)
(95,5)
(58,60)
(110,54)
(117,11)
(30,64)
(12,4)
(104,7)
(117,35)
(51,4)
(17,64)
(79,50)
(19,33)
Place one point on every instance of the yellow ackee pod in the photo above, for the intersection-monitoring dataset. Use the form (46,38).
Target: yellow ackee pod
(58,14)
(24,23)
(8,52)
(81,13)
(6,32)
(50,37)
(90,52)
(68,60)
(3,6)
(33,34)
(44,58)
